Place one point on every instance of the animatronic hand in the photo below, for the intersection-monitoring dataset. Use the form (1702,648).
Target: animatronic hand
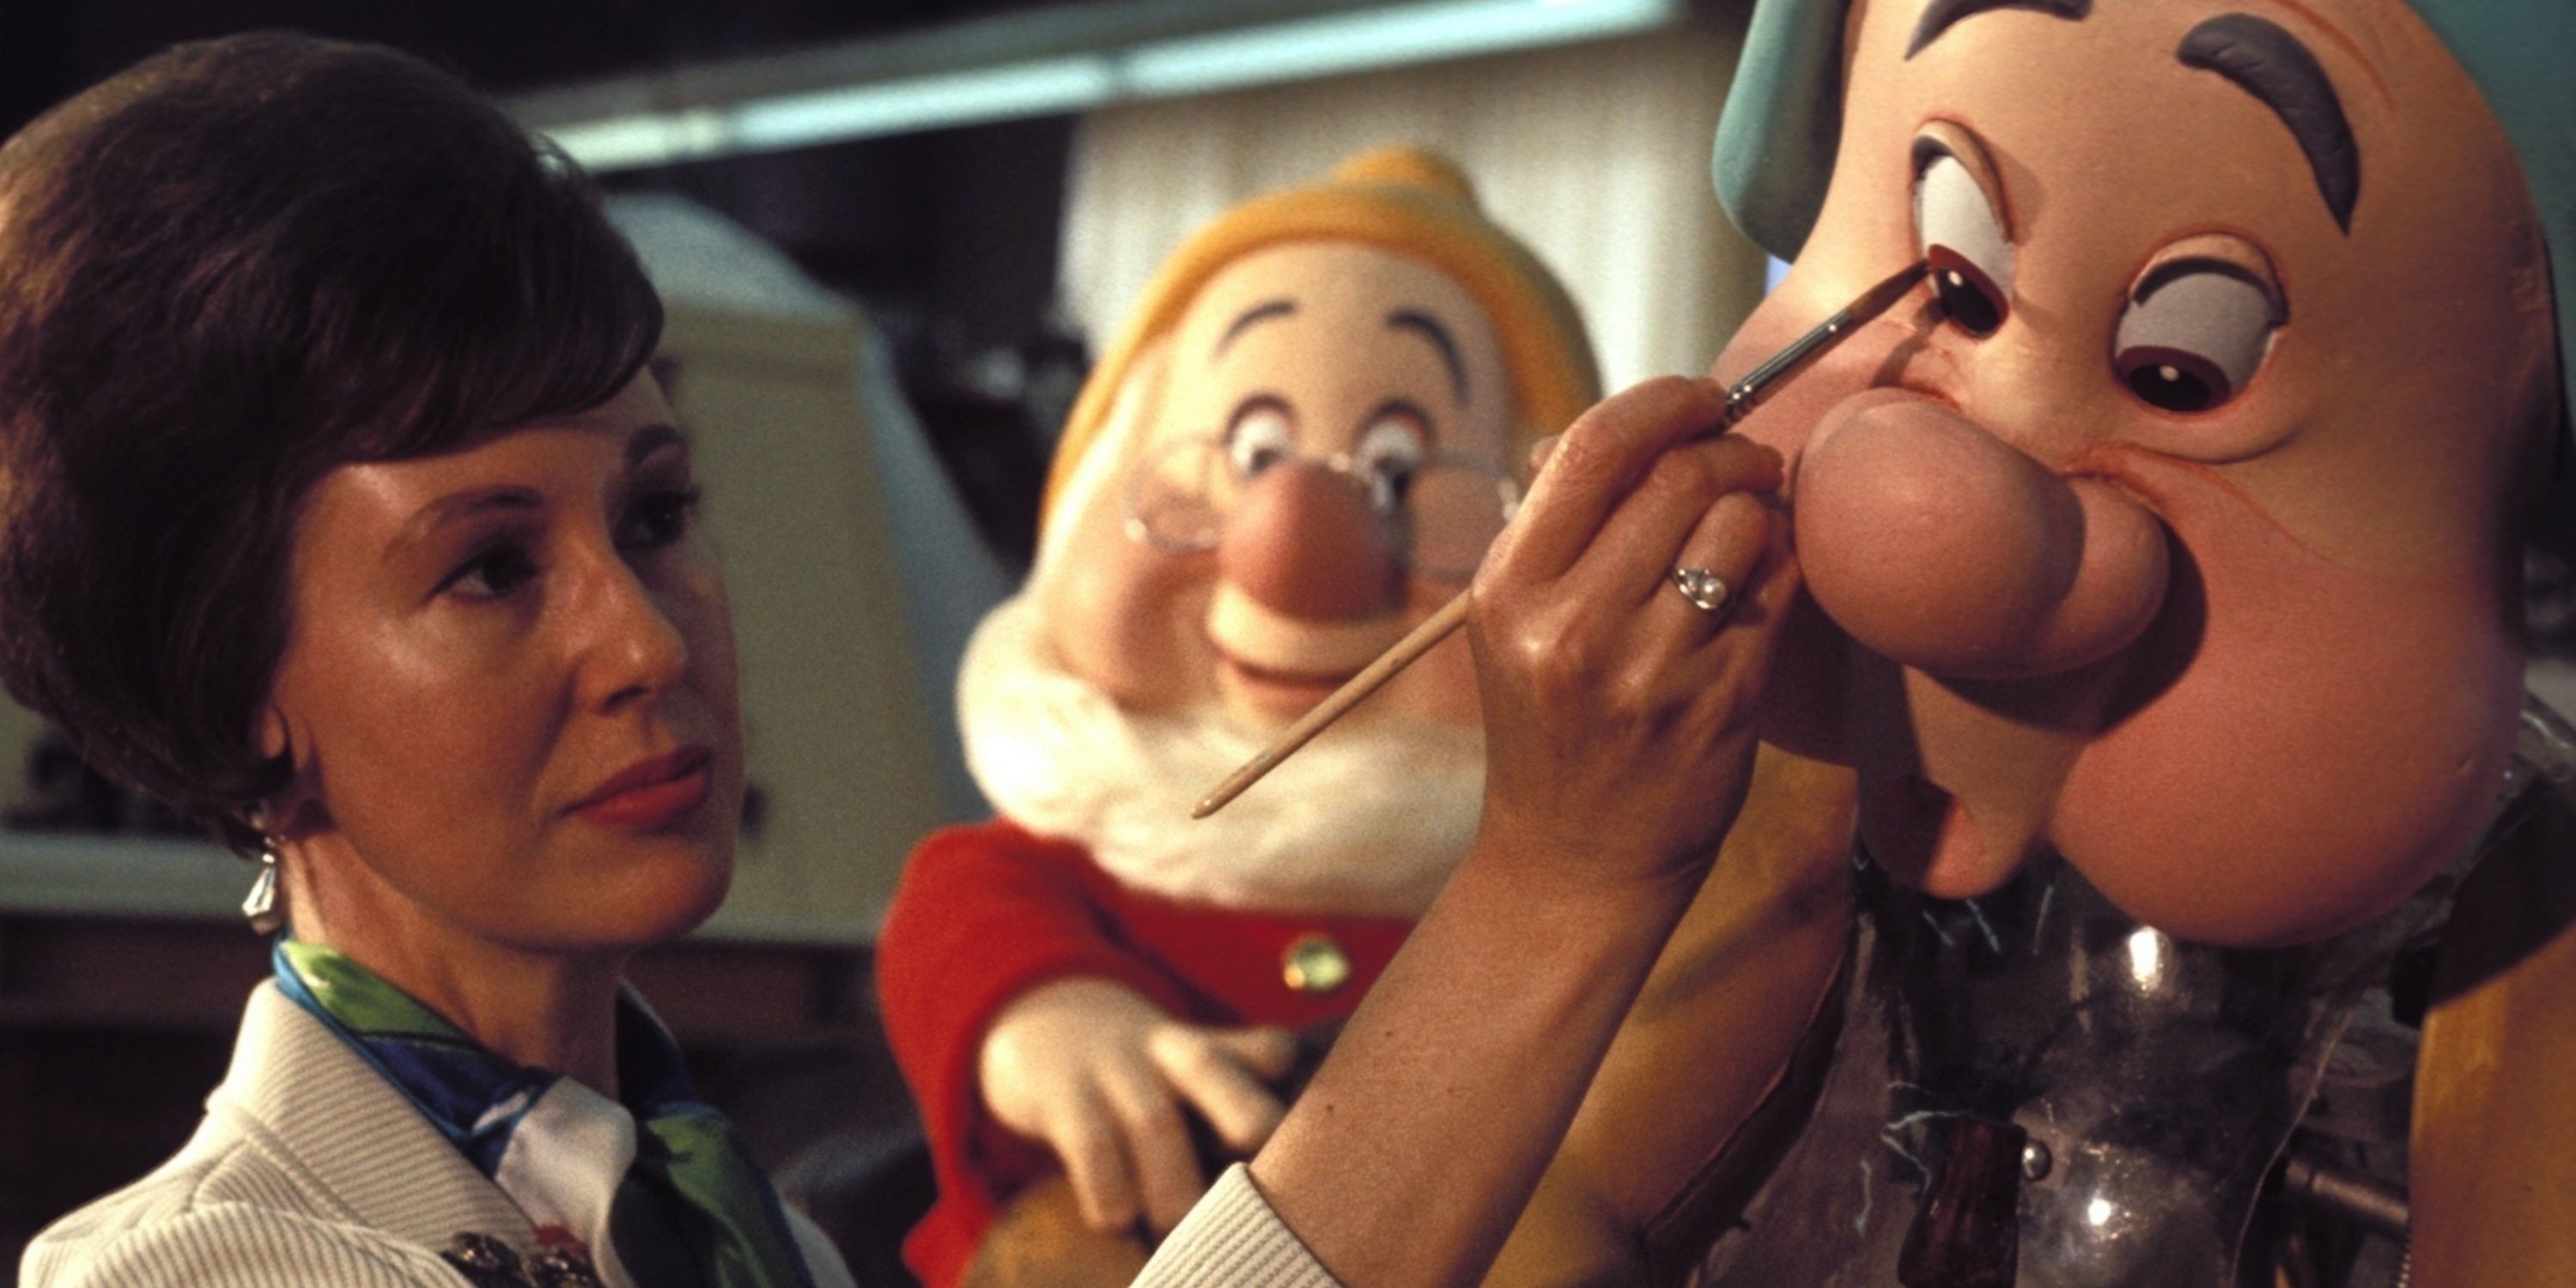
(1100,1075)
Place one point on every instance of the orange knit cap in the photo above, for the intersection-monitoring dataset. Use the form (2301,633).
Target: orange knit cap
(1402,199)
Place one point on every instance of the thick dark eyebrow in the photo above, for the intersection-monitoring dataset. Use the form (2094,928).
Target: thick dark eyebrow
(2271,64)
(460,505)
(1940,15)
(1430,329)
(1258,312)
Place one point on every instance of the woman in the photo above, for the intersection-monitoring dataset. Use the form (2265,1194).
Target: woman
(340,516)
(339,512)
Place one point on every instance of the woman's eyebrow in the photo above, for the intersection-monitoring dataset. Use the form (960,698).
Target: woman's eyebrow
(2266,61)
(460,505)
(653,438)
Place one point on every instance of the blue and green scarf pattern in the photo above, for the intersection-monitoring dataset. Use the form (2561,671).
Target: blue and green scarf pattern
(692,1211)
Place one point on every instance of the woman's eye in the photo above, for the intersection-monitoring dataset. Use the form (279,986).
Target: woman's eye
(1961,237)
(1389,454)
(492,572)
(2190,339)
(1259,436)
(659,518)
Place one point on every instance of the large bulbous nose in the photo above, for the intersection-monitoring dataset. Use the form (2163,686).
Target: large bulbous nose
(1305,541)
(1940,546)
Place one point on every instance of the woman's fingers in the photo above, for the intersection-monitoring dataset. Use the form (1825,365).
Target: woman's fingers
(1711,570)
(1760,602)
(1681,496)
(1596,462)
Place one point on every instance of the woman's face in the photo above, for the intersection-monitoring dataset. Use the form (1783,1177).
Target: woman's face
(509,691)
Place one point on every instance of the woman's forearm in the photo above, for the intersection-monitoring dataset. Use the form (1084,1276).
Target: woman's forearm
(1408,1158)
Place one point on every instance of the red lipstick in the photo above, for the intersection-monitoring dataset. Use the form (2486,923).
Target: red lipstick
(650,794)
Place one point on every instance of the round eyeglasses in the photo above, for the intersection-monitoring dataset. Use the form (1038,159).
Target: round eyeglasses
(1442,509)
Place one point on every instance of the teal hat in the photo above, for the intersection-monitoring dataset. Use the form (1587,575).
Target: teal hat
(1776,138)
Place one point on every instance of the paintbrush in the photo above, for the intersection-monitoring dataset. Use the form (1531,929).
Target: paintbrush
(1741,398)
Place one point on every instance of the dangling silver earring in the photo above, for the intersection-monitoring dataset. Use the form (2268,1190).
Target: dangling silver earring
(263,908)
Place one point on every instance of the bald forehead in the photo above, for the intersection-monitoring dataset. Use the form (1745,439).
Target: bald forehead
(1941,15)
(2252,53)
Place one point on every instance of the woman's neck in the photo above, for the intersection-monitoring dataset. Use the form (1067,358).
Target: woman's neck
(544,1009)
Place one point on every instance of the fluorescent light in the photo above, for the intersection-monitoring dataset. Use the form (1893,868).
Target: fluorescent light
(1369,39)
(1043,88)
(1364,39)
(630,142)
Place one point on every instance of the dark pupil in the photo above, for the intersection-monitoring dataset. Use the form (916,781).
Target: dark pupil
(1968,296)
(2173,379)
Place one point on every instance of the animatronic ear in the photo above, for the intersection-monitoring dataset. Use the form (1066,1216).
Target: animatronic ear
(1089,478)
(1783,116)
(2517,53)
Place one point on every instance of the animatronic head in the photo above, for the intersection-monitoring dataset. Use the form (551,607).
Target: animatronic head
(1302,442)
(1295,451)
(2175,526)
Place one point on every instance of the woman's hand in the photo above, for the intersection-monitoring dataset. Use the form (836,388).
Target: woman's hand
(1100,1075)
(1620,717)
(1620,724)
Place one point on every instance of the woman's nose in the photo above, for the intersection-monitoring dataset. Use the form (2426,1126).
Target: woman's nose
(1935,543)
(1305,541)
(628,646)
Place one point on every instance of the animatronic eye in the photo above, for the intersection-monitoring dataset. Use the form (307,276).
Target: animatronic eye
(2194,333)
(1389,453)
(1963,239)
(1261,435)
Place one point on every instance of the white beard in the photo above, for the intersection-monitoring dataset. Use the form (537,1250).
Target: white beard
(1365,821)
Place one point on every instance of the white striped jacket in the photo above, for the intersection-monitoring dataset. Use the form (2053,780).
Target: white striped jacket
(310,1171)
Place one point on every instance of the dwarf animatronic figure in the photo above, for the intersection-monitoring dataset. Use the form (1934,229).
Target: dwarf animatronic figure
(2160,565)
(1298,448)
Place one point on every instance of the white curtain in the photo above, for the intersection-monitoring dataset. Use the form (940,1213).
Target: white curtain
(1594,154)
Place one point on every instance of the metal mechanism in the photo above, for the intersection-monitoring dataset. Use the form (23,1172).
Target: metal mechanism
(2033,1090)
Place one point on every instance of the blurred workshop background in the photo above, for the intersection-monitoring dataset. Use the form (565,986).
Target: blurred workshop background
(890,235)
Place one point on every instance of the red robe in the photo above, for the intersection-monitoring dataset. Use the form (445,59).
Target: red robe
(985,913)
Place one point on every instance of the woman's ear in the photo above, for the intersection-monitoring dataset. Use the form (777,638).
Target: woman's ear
(294,810)
(273,738)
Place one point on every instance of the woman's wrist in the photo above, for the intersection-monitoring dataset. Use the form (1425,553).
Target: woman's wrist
(1599,864)
(1408,1157)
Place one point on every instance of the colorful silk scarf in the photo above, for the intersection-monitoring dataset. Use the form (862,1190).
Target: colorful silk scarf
(658,1190)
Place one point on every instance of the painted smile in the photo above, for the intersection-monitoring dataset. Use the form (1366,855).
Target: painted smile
(1324,680)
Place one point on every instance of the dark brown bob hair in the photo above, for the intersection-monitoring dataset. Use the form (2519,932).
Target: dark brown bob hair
(225,272)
